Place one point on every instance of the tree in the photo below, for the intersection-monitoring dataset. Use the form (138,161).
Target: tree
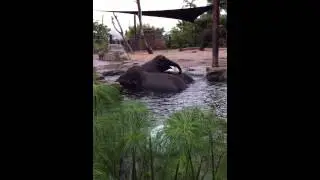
(189,4)
(149,49)
(215,35)
(100,36)
(223,4)
(190,34)
(184,34)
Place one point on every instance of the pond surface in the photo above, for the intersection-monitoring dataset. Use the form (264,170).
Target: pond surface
(201,93)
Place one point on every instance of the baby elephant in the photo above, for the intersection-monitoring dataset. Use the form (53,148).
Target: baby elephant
(161,64)
(138,79)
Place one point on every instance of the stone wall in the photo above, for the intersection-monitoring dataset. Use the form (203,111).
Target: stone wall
(154,39)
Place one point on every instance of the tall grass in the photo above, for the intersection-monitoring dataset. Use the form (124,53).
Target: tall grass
(190,146)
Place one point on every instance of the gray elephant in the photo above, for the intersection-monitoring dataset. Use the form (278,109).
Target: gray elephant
(161,64)
(136,78)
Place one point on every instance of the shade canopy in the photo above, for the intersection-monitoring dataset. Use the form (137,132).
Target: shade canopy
(189,14)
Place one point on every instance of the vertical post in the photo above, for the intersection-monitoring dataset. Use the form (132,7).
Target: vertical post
(135,31)
(110,39)
(135,26)
(102,20)
(215,36)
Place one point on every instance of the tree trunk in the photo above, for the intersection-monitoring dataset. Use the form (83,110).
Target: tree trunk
(121,33)
(135,26)
(149,49)
(215,35)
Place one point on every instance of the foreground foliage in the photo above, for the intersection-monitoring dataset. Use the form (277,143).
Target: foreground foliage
(190,145)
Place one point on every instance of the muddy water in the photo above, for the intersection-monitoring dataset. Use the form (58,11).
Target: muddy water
(201,93)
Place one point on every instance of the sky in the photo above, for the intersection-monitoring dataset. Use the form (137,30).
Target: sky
(126,20)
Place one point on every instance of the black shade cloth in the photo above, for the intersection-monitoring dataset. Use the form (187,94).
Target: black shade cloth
(189,14)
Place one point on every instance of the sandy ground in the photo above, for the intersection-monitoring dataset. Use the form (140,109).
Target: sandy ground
(189,59)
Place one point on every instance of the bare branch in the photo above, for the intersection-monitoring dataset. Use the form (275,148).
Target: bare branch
(118,23)
(115,26)
(120,31)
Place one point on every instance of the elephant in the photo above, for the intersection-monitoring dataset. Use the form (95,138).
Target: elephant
(206,36)
(137,79)
(160,64)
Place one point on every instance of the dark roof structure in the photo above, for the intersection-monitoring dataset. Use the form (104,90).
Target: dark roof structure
(189,14)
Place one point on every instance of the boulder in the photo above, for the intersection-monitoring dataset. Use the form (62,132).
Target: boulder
(113,72)
(116,52)
(100,78)
(216,75)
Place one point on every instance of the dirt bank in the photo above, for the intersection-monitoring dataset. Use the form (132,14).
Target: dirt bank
(189,59)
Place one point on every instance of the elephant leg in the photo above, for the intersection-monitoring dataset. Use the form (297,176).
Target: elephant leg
(204,45)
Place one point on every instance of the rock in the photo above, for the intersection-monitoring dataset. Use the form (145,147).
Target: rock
(98,76)
(103,81)
(124,57)
(116,52)
(190,69)
(113,72)
(216,75)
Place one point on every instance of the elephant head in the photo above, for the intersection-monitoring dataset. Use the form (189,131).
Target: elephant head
(136,78)
(160,64)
